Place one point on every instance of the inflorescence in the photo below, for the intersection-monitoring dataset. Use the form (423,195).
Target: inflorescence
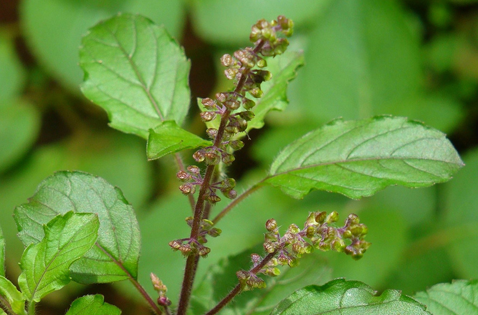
(246,68)
(317,233)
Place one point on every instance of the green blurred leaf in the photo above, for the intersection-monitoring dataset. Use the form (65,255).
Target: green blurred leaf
(358,158)
(228,22)
(221,277)
(456,298)
(2,253)
(347,298)
(19,125)
(12,75)
(136,72)
(283,69)
(169,138)
(462,218)
(361,56)
(46,264)
(92,304)
(12,296)
(115,256)
(54,28)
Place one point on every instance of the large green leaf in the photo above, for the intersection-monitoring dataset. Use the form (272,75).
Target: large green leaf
(233,19)
(283,69)
(12,74)
(347,298)
(456,298)
(115,256)
(92,304)
(53,28)
(10,295)
(221,277)
(19,124)
(136,72)
(361,56)
(46,264)
(358,158)
(169,138)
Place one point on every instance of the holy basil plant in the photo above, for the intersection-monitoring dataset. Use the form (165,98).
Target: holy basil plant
(78,227)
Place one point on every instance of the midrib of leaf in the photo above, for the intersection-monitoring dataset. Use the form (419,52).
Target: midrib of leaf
(135,68)
(51,262)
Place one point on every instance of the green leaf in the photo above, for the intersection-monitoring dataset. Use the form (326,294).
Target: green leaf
(361,56)
(69,20)
(136,72)
(347,298)
(115,256)
(46,264)
(10,294)
(92,304)
(461,218)
(2,253)
(456,298)
(221,277)
(230,27)
(284,69)
(19,125)
(169,138)
(358,158)
(12,75)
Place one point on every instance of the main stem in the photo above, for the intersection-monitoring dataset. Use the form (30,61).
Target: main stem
(193,259)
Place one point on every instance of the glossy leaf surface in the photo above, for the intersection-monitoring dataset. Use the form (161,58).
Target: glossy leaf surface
(46,264)
(92,304)
(116,252)
(358,158)
(169,138)
(347,298)
(136,72)
(458,297)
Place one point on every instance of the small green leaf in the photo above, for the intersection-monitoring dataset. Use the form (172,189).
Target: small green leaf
(92,304)
(115,256)
(136,72)
(456,298)
(2,253)
(169,138)
(347,298)
(284,69)
(358,158)
(46,265)
(11,294)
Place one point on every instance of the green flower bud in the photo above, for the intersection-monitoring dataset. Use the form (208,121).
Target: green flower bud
(187,189)
(256,34)
(256,92)
(269,247)
(227,60)
(211,158)
(261,63)
(228,159)
(332,217)
(338,245)
(293,229)
(271,225)
(248,104)
(175,244)
(213,198)
(236,145)
(212,133)
(273,272)
(204,251)
(232,104)
(246,115)
(320,216)
(214,232)
(199,156)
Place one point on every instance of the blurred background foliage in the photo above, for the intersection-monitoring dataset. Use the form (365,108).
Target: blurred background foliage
(414,58)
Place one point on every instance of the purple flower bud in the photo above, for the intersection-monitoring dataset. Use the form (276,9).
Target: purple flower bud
(199,156)
(182,175)
(227,60)
(207,116)
(208,103)
(193,169)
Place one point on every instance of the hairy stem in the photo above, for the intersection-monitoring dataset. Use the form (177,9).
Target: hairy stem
(237,289)
(146,296)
